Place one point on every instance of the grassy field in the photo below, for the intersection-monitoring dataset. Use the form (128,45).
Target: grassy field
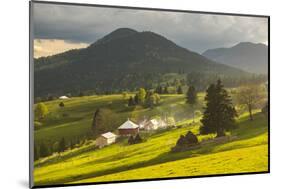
(75,119)
(153,159)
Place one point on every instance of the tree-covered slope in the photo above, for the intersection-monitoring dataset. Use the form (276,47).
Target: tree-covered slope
(248,56)
(122,60)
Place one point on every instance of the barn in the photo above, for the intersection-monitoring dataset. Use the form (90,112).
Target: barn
(128,128)
(105,139)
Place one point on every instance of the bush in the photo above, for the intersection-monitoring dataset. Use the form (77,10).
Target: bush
(131,140)
(189,141)
(191,138)
(138,139)
(135,140)
(61,104)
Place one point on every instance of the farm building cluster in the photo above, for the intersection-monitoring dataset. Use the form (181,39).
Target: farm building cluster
(129,128)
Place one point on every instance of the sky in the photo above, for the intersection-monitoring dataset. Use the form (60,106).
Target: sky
(58,28)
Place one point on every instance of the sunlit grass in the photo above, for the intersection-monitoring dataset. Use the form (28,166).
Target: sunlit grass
(248,153)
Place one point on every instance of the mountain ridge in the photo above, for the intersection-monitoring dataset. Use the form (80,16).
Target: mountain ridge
(248,56)
(124,59)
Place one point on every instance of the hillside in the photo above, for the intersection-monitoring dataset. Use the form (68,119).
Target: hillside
(122,60)
(248,56)
(120,161)
(73,122)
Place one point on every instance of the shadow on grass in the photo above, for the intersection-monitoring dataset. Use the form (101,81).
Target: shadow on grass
(247,129)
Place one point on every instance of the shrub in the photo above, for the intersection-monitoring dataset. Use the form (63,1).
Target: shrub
(137,139)
(61,104)
(191,138)
(131,140)
(181,141)
(189,141)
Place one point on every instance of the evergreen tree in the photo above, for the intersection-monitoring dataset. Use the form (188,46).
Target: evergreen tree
(71,145)
(191,95)
(103,120)
(131,140)
(191,98)
(131,101)
(62,145)
(137,139)
(44,150)
(159,89)
(219,113)
(179,90)
(61,104)
(36,152)
(97,119)
(166,91)
(136,99)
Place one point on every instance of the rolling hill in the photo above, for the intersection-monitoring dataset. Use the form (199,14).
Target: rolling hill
(122,60)
(248,56)
(153,159)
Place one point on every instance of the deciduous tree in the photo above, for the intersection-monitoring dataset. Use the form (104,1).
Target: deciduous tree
(250,96)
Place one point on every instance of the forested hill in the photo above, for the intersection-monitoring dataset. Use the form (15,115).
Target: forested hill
(251,57)
(122,60)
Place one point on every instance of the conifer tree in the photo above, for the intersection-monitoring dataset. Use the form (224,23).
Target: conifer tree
(179,90)
(44,150)
(191,98)
(138,139)
(131,101)
(62,145)
(131,140)
(219,113)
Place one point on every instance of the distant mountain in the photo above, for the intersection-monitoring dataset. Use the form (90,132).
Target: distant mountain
(248,56)
(122,60)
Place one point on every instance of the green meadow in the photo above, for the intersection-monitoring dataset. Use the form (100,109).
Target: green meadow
(75,119)
(248,152)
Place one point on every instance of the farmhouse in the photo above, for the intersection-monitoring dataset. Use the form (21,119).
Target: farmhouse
(154,124)
(143,123)
(105,139)
(128,128)
(63,97)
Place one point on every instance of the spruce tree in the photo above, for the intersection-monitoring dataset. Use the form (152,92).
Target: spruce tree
(191,95)
(219,113)
(166,91)
(131,140)
(179,90)
(191,98)
(44,150)
(131,101)
(62,145)
(138,139)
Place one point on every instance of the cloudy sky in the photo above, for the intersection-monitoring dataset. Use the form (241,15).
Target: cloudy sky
(58,28)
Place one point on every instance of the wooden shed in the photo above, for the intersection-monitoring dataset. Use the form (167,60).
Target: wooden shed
(128,128)
(105,139)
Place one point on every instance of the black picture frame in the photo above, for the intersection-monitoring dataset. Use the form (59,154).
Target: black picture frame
(31,98)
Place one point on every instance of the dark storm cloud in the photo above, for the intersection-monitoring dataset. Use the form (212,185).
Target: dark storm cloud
(197,32)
